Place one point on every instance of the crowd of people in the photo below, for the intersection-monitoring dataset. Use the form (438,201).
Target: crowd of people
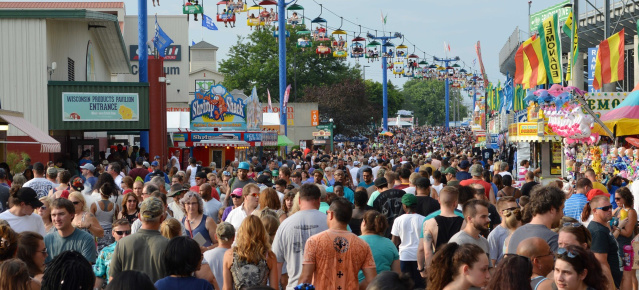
(422,209)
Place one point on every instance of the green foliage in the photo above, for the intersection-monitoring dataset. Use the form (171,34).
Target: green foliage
(426,98)
(375,93)
(254,60)
(15,161)
(347,103)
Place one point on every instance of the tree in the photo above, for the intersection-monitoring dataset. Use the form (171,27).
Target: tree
(254,60)
(346,103)
(375,93)
(426,98)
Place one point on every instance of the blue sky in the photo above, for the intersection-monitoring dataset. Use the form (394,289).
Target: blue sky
(426,23)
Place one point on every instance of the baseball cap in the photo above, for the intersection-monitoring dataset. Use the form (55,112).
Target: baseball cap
(151,207)
(88,166)
(52,170)
(155,163)
(146,164)
(201,174)
(29,196)
(237,191)
(225,231)
(176,189)
(157,172)
(409,199)
(157,157)
(356,163)
(450,170)
(276,173)
(263,179)
(464,164)
(594,192)
(381,181)
(243,165)
(476,170)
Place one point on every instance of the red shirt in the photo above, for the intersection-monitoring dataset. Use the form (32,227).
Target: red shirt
(485,184)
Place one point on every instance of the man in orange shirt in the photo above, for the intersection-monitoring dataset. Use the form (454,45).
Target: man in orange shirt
(333,257)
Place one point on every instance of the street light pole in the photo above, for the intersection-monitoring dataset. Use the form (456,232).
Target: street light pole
(331,128)
(446,62)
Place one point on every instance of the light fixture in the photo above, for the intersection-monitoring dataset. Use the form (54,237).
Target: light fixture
(4,127)
(162,79)
(52,68)
(330,120)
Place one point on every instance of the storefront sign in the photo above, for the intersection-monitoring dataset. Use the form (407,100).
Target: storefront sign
(527,129)
(290,111)
(197,137)
(171,52)
(314,117)
(100,107)
(560,9)
(253,137)
(216,107)
(180,137)
(592,63)
(604,102)
(269,138)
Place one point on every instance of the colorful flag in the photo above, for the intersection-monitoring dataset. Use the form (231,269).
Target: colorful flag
(610,56)
(192,43)
(571,31)
(286,95)
(383,17)
(529,67)
(481,63)
(208,22)
(161,41)
(270,106)
(551,49)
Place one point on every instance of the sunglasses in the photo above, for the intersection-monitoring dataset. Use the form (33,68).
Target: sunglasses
(617,198)
(605,208)
(119,233)
(564,252)
(197,178)
(510,209)
(43,207)
(254,194)
(235,196)
(574,225)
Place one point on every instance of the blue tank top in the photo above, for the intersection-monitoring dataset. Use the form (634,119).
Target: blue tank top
(201,228)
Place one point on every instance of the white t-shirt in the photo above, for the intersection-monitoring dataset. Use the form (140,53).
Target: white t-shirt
(354,171)
(410,189)
(237,216)
(192,176)
(214,258)
(177,162)
(32,222)
(290,241)
(407,227)
(375,171)
(40,185)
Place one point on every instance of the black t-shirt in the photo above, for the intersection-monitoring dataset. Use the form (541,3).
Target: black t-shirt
(389,203)
(603,242)
(487,154)
(527,187)
(426,205)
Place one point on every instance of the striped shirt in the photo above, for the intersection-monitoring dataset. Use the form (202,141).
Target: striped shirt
(575,205)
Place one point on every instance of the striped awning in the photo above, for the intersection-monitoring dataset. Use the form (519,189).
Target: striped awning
(47,143)
(535,139)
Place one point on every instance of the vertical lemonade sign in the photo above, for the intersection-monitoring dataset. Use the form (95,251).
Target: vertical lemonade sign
(551,47)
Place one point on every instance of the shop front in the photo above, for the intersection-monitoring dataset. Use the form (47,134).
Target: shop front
(537,143)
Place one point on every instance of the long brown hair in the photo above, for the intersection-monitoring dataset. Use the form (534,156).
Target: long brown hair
(446,262)
(14,275)
(125,201)
(28,243)
(252,243)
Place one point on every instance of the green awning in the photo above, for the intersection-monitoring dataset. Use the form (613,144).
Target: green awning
(282,140)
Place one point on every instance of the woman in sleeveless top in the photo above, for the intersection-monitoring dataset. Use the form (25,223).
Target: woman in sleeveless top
(250,262)
(196,222)
(625,210)
(191,171)
(84,220)
(105,210)
(64,177)
(130,207)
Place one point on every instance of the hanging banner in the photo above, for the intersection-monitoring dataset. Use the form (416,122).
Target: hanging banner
(217,108)
(592,63)
(561,9)
(551,49)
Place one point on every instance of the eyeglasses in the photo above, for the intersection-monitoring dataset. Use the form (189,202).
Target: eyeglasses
(76,202)
(119,233)
(235,196)
(43,207)
(605,208)
(574,225)
(254,194)
(570,254)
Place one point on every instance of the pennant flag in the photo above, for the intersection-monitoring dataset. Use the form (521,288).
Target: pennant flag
(383,17)
(192,43)
(161,40)
(610,56)
(551,49)
(208,22)
(270,106)
(571,31)
(529,67)
(286,95)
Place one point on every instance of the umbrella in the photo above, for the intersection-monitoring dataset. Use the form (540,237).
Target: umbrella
(386,133)
(624,118)
(633,141)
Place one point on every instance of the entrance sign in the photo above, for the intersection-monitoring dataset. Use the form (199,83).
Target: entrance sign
(100,107)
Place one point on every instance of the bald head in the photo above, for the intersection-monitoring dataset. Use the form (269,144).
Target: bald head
(533,247)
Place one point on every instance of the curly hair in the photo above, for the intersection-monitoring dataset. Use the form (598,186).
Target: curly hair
(545,198)
(252,242)
(8,242)
(628,198)
(187,197)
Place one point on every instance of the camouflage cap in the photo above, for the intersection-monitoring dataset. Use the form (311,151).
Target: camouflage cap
(225,231)
(151,208)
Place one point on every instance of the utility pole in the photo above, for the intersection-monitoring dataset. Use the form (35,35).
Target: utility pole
(446,62)
(384,39)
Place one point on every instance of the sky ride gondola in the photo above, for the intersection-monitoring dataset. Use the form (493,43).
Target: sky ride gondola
(340,42)
(192,7)
(294,18)
(372,51)
(227,14)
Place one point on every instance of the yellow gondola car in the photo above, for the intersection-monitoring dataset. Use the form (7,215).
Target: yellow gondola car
(340,43)
(253,16)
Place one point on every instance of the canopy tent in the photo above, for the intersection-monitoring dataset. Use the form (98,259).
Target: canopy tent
(282,140)
(624,118)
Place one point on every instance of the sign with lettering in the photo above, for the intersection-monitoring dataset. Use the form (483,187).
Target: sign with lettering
(560,9)
(592,62)
(527,129)
(253,137)
(314,117)
(100,107)
(197,137)
(603,102)
(217,108)
(171,52)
